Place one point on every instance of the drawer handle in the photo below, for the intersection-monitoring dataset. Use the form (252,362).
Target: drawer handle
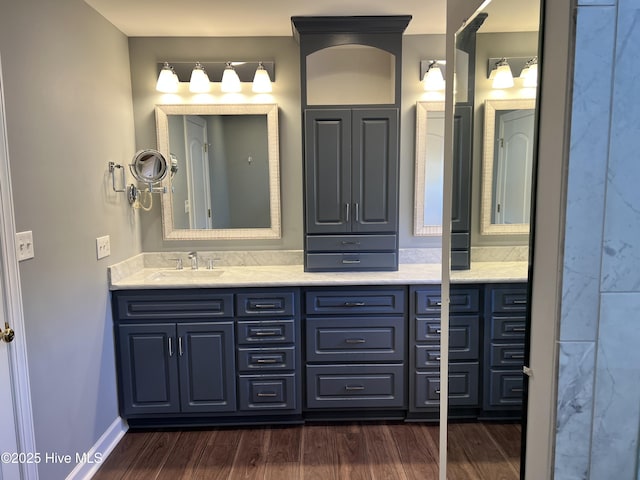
(519,329)
(438,331)
(267,360)
(266,333)
(350,262)
(352,388)
(434,303)
(437,391)
(516,356)
(517,390)
(520,302)
(354,304)
(355,340)
(267,394)
(170,343)
(437,358)
(350,242)
(265,305)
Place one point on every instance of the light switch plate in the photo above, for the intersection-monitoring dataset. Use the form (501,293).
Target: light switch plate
(24,245)
(103,246)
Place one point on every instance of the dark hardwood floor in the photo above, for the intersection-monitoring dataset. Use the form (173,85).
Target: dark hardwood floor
(353,451)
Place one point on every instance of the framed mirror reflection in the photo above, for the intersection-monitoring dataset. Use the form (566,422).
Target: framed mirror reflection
(225,181)
(507,161)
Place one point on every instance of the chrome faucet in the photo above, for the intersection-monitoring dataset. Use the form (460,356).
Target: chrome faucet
(193,256)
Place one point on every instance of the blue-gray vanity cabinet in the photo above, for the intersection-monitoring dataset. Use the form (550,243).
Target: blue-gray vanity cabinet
(355,349)
(207,355)
(505,330)
(268,351)
(464,348)
(176,367)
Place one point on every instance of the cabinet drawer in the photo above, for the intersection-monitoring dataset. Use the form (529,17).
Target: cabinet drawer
(351,243)
(508,299)
(505,388)
(267,392)
(508,328)
(355,386)
(253,359)
(355,339)
(262,304)
(174,305)
(462,300)
(388,301)
(507,355)
(463,386)
(265,332)
(355,262)
(464,335)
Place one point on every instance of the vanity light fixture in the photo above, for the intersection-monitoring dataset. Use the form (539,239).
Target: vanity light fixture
(432,78)
(530,73)
(230,80)
(261,80)
(167,79)
(230,74)
(503,77)
(199,82)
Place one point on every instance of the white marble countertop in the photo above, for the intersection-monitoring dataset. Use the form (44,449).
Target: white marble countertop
(294,275)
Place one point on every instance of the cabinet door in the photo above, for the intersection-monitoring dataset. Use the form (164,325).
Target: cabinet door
(374,176)
(207,367)
(461,196)
(328,170)
(148,369)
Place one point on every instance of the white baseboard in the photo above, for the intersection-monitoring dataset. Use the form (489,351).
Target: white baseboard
(100,451)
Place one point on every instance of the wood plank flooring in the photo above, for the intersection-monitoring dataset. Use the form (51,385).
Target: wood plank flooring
(347,451)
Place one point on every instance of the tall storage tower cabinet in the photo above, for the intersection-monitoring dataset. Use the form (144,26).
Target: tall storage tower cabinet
(351,78)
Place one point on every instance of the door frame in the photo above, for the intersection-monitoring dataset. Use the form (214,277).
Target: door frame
(12,306)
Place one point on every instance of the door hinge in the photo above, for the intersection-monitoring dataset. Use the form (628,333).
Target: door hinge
(206,147)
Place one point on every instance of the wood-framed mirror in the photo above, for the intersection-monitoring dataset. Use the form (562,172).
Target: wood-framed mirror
(225,181)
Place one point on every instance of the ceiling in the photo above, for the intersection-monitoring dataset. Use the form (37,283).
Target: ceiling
(238,18)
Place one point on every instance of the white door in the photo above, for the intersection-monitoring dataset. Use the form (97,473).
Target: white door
(515,159)
(198,172)
(9,463)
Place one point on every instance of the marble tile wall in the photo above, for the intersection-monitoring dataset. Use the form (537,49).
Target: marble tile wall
(598,412)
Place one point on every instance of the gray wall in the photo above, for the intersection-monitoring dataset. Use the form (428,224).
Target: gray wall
(146,52)
(598,409)
(63,129)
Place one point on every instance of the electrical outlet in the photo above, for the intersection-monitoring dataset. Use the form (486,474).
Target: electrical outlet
(24,245)
(103,246)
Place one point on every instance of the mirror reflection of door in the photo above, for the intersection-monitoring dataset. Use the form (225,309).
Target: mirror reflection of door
(514,158)
(198,205)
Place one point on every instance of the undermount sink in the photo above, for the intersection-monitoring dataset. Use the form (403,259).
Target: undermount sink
(190,275)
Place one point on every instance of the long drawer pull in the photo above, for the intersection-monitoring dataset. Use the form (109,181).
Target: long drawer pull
(438,331)
(266,333)
(517,390)
(516,356)
(437,358)
(437,391)
(267,394)
(350,262)
(267,360)
(354,304)
(350,242)
(519,329)
(520,302)
(265,305)
(170,342)
(355,340)
(353,388)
